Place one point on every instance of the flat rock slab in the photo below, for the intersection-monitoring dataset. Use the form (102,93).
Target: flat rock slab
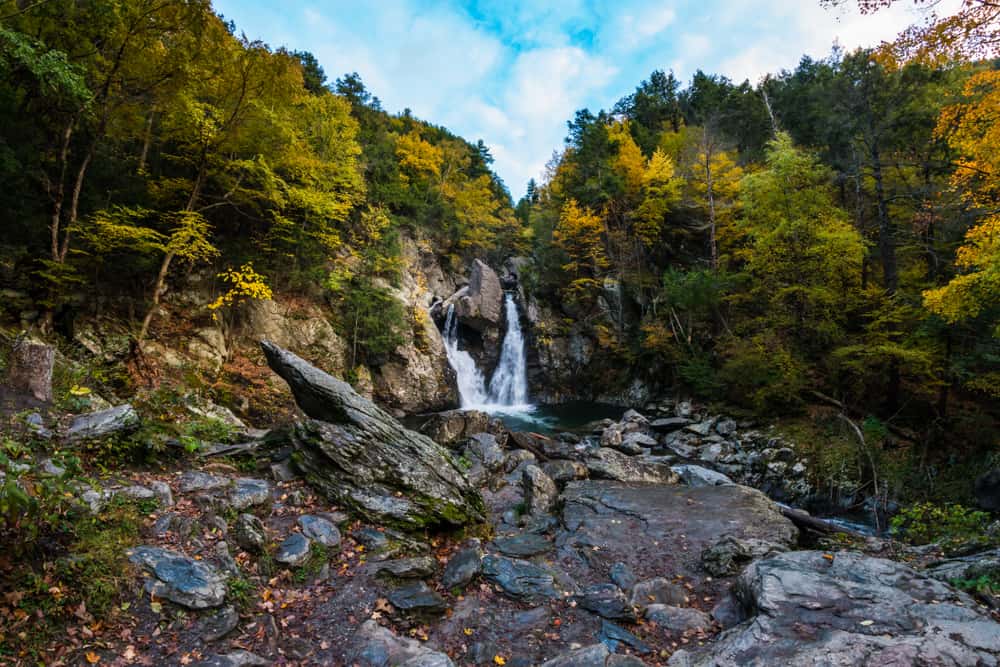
(417,597)
(522,546)
(813,608)
(375,646)
(320,530)
(294,550)
(189,583)
(520,579)
(101,424)
(660,530)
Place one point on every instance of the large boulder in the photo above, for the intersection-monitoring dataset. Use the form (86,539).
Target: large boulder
(453,427)
(812,608)
(479,305)
(375,646)
(361,457)
(119,419)
(178,578)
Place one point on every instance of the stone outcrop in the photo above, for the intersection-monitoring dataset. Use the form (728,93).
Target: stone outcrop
(358,455)
(812,608)
(101,424)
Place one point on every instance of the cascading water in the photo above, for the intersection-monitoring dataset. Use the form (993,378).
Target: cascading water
(471,384)
(508,388)
(509,385)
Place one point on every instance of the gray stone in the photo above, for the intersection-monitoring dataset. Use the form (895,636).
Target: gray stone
(606,463)
(250,533)
(454,427)
(678,619)
(234,659)
(523,545)
(540,491)
(730,554)
(189,583)
(693,475)
(483,447)
(283,471)
(725,427)
(193,481)
(811,609)
(248,492)
(49,467)
(607,601)
(294,550)
(656,591)
(967,568)
(408,568)
(320,530)
(464,566)
(623,576)
(103,423)
(563,471)
(417,597)
(669,424)
(164,495)
(520,579)
(375,646)
(361,457)
(702,428)
(595,655)
(612,635)
(216,626)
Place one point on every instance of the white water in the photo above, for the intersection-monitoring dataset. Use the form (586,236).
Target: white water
(508,389)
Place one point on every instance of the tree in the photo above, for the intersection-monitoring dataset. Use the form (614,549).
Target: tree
(578,237)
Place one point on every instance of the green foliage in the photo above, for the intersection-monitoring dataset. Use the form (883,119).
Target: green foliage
(760,373)
(951,525)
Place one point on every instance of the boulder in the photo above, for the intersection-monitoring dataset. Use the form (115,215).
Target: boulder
(520,579)
(417,597)
(987,490)
(319,530)
(463,567)
(30,369)
(188,582)
(678,619)
(454,427)
(657,590)
(361,457)
(967,568)
(540,491)
(693,475)
(103,423)
(420,567)
(595,655)
(523,545)
(607,601)
(607,463)
(669,424)
(294,550)
(480,304)
(250,533)
(375,646)
(813,608)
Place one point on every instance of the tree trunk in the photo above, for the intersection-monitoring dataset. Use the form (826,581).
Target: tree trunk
(711,205)
(31,369)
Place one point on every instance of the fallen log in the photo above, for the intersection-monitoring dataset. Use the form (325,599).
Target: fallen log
(808,522)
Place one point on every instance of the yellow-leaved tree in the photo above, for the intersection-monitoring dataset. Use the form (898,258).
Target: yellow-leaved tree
(973,131)
(578,237)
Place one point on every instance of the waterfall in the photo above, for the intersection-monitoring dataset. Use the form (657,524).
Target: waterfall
(471,384)
(509,386)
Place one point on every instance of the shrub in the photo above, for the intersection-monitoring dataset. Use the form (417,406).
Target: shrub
(762,374)
(951,525)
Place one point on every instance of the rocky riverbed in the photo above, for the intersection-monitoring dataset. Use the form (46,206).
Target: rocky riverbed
(350,540)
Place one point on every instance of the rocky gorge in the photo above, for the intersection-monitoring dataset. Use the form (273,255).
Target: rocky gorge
(646,540)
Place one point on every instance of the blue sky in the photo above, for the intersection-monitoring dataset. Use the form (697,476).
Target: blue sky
(513,73)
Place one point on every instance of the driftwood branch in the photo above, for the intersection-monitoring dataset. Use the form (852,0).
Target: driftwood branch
(808,522)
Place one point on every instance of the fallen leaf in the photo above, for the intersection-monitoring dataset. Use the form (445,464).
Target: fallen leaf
(92,657)
(499,660)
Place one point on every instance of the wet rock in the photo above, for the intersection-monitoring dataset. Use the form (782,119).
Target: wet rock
(454,427)
(103,423)
(656,591)
(417,597)
(408,568)
(363,458)
(249,533)
(678,619)
(987,490)
(810,608)
(693,475)
(480,304)
(725,427)
(522,546)
(29,369)
(319,530)
(249,492)
(294,550)
(540,491)
(612,635)
(607,601)
(464,566)
(520,579)
(376,646)
(234,659)
(219,624)
(606,463)
(189,583)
